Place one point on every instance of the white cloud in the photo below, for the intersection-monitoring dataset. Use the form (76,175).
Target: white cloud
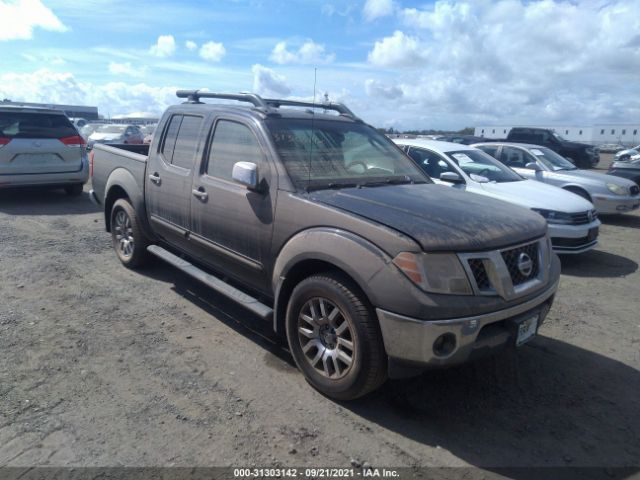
(191,45)
(308,53)
(268,82)
(375,88)
(516,61)
(374,9)
(164,47)
(19,18)
(127,69)
(212,51)
(399,50)
(111,98)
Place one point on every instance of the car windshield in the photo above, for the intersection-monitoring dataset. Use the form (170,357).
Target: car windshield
(481,167)
(111,129)
(558,136)
(551,159)
(334,153)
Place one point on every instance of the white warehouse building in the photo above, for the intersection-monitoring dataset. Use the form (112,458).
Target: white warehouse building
(622,134)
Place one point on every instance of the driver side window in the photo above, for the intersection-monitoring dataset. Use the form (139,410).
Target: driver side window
(513,157)
(430,162)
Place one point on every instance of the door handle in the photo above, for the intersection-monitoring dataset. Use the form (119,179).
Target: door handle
(200,193)
(155,178)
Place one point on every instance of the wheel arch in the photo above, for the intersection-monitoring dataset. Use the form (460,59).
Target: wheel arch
(578,190)
(122,184)
(324,250)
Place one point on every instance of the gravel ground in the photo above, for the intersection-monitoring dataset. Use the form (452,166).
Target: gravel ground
(102,366)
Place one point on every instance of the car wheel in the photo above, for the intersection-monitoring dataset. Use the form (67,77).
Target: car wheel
(127,238)
(74,190)
(335,338)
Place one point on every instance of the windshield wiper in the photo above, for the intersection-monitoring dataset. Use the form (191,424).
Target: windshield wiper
(390,181)
(333,186)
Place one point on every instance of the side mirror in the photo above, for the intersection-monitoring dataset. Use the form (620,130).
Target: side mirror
(451,177)
(246,173)
(533,166)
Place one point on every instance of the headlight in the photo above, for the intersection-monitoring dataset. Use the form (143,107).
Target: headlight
(434,272)
(617,189)
(553,216)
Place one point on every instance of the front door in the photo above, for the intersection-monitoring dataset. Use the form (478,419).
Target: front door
(169,177)
(232,225)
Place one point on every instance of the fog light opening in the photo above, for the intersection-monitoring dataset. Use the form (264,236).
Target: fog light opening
(444,345)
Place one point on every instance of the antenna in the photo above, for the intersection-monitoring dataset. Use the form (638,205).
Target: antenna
(315,78)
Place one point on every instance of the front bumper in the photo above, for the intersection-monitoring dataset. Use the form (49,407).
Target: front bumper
(413,340)
(567,239)
(608,204)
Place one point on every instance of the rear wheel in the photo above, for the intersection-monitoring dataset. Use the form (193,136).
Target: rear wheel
(334,337)
(128,240)
(74,190)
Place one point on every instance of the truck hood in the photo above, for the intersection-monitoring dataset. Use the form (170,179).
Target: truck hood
(439,218)
(534,194)
(575,145)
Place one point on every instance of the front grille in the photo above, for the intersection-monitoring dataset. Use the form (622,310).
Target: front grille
(479,273)
(582,218)
(512,258)
(634,190)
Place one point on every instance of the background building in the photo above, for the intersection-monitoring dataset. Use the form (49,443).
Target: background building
(621,133)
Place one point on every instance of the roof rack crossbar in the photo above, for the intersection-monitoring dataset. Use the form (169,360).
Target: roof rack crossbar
(338,107)
(194,96)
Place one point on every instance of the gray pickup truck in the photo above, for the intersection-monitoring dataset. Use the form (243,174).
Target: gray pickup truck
(321,225)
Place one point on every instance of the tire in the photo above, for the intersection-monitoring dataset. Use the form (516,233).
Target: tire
(320,342)
(130,246)
(580,193)
(74,190)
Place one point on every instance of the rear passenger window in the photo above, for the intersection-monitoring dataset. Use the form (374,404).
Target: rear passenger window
(169,142)
(491,150)
(186,145)
(232,142)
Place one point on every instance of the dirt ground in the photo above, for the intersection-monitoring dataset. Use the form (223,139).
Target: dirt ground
(102,366)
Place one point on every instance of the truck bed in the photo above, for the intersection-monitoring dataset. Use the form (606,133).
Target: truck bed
(130,159)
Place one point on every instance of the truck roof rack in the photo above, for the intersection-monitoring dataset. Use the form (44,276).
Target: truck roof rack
(269,105)
(337,107)
(194,96)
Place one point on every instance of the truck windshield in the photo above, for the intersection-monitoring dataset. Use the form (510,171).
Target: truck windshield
(551,159)
(480,166)
(330,153)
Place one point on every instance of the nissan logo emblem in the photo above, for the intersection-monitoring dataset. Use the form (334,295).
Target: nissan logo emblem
(525,264)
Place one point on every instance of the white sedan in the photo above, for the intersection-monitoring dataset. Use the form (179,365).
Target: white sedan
(608,194)
(573,222)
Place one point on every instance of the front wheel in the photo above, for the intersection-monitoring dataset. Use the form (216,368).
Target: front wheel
(127,238)
(334,337)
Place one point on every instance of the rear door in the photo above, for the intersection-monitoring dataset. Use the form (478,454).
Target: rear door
(168,182)
(232,225)
(34,142)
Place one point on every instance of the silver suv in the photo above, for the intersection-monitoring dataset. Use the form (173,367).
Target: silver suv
(41,147)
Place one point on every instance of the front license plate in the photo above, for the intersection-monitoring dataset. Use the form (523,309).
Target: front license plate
(527,329)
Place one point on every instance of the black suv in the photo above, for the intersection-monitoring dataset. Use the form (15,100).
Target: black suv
(580,154)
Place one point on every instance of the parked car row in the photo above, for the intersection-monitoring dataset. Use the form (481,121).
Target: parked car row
(375,259)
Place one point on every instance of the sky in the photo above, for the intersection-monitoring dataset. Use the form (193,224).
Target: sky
(443,64)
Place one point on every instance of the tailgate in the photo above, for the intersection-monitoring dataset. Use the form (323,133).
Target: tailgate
(26,155)
(35,143)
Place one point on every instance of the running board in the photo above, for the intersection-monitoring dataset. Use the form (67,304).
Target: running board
(247,301)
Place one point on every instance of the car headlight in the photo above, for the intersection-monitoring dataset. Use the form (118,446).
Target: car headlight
(617,189)
(553,216)
(434,272)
